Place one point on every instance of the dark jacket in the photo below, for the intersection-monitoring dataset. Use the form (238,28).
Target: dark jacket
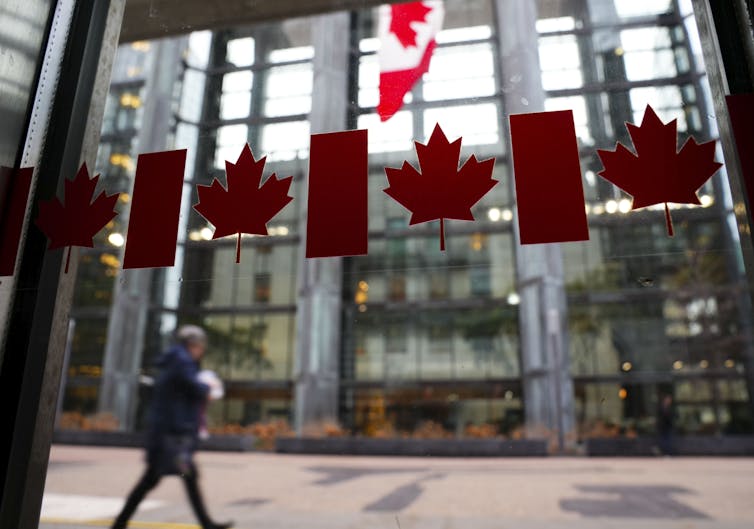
(665,419)
(178,395)
(175,408)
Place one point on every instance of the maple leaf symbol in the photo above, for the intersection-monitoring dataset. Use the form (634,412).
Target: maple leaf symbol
(244,207)
(658,173)
(401,18)
(78,221)
(441,191)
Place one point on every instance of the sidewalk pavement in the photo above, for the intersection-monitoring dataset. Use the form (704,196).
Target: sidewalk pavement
(86,486)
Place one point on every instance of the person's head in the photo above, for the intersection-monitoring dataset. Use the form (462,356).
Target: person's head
(667,400)
(193,338)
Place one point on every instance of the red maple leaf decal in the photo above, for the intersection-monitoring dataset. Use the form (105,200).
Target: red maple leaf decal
(658,173)
(441,191)
(79,220)
(401,18)
(244,207)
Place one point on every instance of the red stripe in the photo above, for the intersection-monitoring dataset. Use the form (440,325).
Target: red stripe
(741,110)
(395,85)
(14,194)
(549,193)
(337,223)
(155,208)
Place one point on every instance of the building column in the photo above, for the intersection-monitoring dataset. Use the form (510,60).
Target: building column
(545,373)
(124,349)
(318,320)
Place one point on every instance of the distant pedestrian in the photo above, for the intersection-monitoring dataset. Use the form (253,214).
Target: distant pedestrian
(665,425)
(174,423)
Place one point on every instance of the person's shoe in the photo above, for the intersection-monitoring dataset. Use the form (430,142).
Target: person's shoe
(119,524)
(225,525)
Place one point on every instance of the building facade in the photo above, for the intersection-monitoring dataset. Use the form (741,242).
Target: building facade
(572,340)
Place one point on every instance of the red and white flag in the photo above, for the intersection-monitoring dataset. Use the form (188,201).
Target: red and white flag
(407,40)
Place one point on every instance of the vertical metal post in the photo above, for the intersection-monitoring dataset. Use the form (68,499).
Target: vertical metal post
(539,267)
(729,61)
(553,336)
(30,373)
(64,371)
(127,324)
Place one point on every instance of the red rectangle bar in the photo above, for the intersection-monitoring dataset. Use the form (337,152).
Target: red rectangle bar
(155,209)
(741,111)
(337,221)
(14,194)
(549,193)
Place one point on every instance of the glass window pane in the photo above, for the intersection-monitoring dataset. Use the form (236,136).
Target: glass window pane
(396,134)
(237,81)
(286,141)
(460,72)
(240,52)
(291,54)
(235,105)
(477,124)
(230,141)
(635,8)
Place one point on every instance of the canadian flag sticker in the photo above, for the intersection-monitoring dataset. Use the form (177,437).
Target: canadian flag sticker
(407,39)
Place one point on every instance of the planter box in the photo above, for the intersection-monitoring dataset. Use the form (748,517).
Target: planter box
(742,445)
(220,443)
(606,447)
(412,447)
(83,437)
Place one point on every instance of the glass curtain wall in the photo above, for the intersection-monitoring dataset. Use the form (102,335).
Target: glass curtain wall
(649,315)
(431,338)
(257,86)
(431,344)
(99,266)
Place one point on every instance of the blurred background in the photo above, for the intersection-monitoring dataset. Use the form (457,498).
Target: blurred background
(408,341)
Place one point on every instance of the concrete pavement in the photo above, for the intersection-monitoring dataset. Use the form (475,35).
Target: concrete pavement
(86,486)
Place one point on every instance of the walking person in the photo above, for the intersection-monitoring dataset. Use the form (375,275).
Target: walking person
(665,425)
(174,423)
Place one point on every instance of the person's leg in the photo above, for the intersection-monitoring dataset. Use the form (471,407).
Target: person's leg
(666,444)
(670,445)
(147,482)
(191,481)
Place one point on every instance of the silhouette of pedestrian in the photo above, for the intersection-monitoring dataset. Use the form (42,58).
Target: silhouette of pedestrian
(174,423)
(665,425)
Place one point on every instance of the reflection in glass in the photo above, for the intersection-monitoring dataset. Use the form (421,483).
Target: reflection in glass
(431,342)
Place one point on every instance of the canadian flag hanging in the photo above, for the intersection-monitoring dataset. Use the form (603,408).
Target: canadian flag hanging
(407,40)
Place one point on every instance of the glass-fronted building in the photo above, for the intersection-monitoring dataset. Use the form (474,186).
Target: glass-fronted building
(486,338)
